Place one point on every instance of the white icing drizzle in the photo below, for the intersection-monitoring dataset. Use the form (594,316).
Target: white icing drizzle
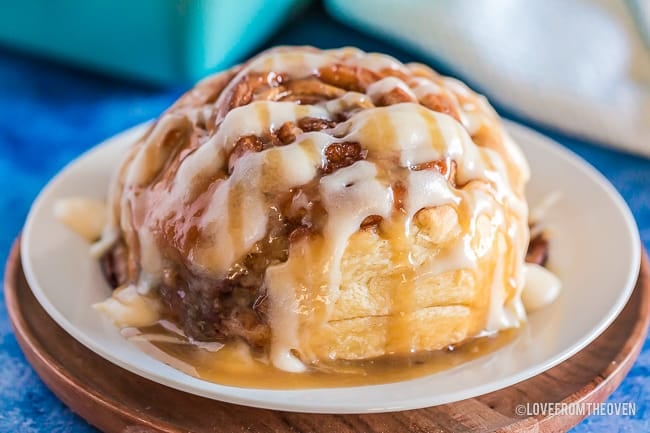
(128,308)
(84,216)
(151,261)
(542,287)
(386,85)
(283,286)
(346,101)
(350,195)
(288,166)
(422,87)
(364,195)
(251,119)
(155,151)
(109,236)
(428,188)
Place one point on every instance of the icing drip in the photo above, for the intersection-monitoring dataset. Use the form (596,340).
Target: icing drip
(542,287)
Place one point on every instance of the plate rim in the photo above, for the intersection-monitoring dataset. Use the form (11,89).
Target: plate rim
(222,394)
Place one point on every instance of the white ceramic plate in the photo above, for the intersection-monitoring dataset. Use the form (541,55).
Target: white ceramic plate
(595,251)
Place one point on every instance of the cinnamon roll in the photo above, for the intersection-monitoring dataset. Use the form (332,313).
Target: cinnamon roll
(322,205)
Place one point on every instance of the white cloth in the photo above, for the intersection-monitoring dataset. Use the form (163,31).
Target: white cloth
(580,66)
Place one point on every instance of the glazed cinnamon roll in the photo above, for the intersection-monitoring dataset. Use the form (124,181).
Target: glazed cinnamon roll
(321,205)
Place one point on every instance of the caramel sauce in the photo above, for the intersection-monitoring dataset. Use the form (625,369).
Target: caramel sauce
(398,338)
(435,135)
(233,365)
(263,114)
(236,198)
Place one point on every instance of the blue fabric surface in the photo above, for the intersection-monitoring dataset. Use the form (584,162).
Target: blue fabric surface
(49,114)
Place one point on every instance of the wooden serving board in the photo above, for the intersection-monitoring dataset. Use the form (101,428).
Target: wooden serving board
(114,400)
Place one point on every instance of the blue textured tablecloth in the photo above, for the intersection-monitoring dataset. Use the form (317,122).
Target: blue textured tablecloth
(49,114)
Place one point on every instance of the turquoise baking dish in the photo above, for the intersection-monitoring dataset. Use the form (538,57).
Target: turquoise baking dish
(162,41)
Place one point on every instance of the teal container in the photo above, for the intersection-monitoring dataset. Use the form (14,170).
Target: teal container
(161,41)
